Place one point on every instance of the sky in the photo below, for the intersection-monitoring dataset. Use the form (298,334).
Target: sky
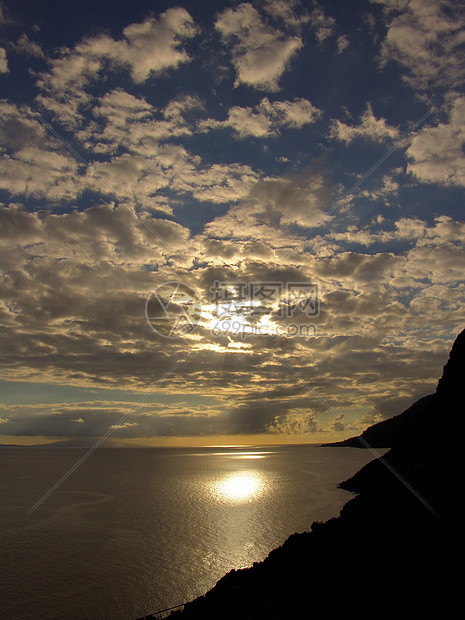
(227,222)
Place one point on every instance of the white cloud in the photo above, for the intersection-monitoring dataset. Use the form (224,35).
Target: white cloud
(78,420)
(147,47)
(266,118)
(30,48)
(369,128)
(260,53)
(342,43)
(295,423)
(287,11)
(426,37)
(156,45)
(323,25)
(36,166)
(437,153)
(125,121)
(74,292)
(444,231)
(30,162)
(272,205)
(3,61)
(218,184)
(124,425)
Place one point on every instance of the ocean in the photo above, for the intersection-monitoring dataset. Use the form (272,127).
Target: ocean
(134,531)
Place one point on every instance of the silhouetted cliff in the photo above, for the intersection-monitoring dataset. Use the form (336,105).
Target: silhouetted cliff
(387,433)
(396,548)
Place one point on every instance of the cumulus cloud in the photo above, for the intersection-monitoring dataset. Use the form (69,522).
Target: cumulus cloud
(34,165)
(437,153)
(27,47)
(260,53)
(404,229)
(155,45)
(369,128)
(220,183)
(288,12)
(125,122)
(272,205)
(337,424)
(323,24)
(342,43)
(295,423)
(3,61)
(31,165)
(77,271)
(266,118)
(426,37)
(148,47)
(124,425)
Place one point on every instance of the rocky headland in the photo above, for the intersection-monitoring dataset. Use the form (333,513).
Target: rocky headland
(396,549)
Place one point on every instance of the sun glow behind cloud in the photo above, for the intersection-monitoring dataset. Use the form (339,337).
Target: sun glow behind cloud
(231,133)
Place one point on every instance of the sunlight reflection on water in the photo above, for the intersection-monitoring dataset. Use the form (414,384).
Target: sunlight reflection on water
(239,486)
(238,455)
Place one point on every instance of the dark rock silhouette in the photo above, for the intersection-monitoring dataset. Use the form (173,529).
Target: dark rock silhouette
(396,548)
(387,433)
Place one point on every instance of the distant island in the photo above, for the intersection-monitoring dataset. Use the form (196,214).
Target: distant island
(396,547)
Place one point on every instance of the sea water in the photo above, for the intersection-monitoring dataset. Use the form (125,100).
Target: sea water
(134,531)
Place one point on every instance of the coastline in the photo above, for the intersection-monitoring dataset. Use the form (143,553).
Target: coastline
(397,545)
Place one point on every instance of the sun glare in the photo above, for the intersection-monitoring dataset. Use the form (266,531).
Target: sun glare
(239,487)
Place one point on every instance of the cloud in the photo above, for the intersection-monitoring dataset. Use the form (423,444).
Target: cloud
(287,11)
(125,122)
(3,61)
(76,271)
(323,24)
(337,424)
(36,166)
(27,47)
(266,118)
(272,205)
(427,39)
(404,229)
(295,423)
(369,128)
(219,183)
(148,47)
(156,45)
(260,53)
(124,425)
(342,43)
(436,154)
(31,165)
